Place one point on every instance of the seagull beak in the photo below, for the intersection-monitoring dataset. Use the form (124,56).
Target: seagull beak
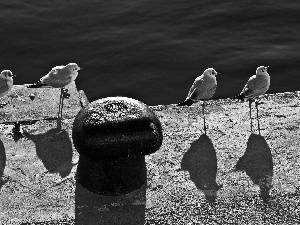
(217,73)
(79,68)
(14,75)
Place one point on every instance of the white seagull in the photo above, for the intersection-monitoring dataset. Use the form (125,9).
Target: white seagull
(6,83)
(256,86)
(58,77)
(202,89)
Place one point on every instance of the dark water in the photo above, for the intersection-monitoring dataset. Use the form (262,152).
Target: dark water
(152,50)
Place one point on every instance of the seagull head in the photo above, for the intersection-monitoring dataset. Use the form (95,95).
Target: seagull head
(73,67)
(7,74)
(210,72)
(262,70)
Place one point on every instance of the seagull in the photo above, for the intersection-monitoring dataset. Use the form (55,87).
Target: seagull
(256,86)
(202,89)
(6,83)
(58,77)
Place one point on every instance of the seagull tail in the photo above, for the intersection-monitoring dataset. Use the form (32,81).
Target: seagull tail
(187,102)
(36,85)
(241,97)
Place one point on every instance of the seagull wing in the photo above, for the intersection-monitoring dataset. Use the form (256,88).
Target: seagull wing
(197,89)
(59,73)
(4,88)
(203,88)
(59,76)
(255,86)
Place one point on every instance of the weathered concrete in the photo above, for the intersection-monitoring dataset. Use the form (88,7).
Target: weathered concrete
(43,106)
(190,180)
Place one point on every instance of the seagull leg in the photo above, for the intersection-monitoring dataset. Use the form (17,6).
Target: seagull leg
(256,106)
(250,102)
(59,109)
(203,106)
(62,105)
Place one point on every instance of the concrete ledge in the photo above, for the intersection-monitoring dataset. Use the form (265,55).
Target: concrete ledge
(38,170)
(43,106)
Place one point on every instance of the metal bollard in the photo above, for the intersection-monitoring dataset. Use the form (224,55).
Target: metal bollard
(112,136)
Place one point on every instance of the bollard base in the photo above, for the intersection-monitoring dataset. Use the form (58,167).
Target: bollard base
(112,177)
(91,208)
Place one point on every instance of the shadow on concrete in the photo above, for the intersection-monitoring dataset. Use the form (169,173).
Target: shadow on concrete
(55,151)
(201,162)
(17,135)
(91,208)
(283,208)
(258,164)
(2,163)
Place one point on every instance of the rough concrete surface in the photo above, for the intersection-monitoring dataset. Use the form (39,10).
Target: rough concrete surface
(228,176)
(44,105)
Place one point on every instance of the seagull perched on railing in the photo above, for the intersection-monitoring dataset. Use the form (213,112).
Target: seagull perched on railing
(256,86)
(6,83)
(58,77)
(202,89)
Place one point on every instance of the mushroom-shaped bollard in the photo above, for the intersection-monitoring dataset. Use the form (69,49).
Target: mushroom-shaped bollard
(112,136)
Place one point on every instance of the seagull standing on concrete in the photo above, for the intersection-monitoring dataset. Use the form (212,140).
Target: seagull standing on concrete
(6,83)
(58,77)
(256,86)
(202,89)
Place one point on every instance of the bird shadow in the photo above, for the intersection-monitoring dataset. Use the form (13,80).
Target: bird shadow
(257,162)
(55,151)
(201,162)
(2,163)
